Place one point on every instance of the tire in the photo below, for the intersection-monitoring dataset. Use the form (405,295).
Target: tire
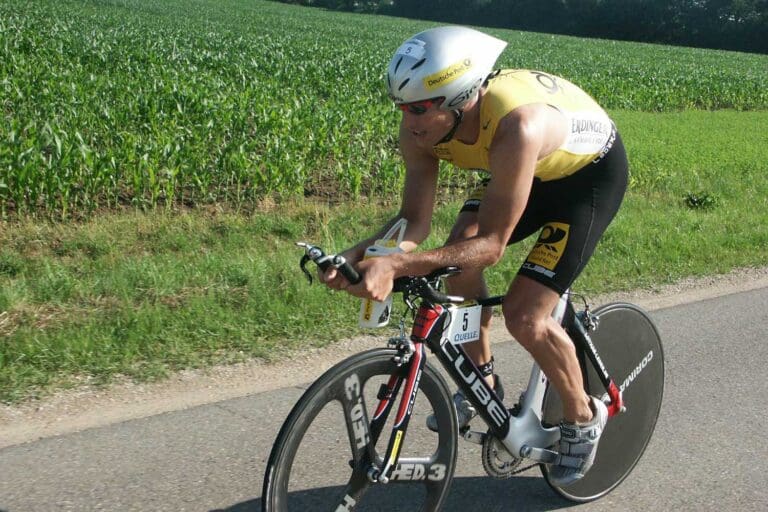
(312,460)
(630,347)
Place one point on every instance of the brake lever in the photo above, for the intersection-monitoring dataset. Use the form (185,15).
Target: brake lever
(311,253)
(324,261)
(303,264)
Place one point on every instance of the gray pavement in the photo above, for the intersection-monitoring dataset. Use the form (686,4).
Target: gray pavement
(708,452)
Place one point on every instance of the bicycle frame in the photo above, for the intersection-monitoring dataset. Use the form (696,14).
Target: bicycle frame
(523,434)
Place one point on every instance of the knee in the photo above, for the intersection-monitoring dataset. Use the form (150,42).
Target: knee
(527,328)
(463,229)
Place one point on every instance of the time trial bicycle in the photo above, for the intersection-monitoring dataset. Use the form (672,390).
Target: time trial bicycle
(330,453)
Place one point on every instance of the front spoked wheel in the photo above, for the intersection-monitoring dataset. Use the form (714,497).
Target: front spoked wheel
(630,347)
(321,457)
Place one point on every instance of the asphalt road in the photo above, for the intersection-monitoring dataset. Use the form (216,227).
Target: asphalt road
(708,452)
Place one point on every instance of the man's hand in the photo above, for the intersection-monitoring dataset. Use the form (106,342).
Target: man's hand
(378,276)
(332,278)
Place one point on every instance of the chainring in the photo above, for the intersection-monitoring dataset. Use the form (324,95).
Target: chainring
(497,461)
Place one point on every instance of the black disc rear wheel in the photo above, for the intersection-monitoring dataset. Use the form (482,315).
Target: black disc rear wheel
(630,347)
(317,463)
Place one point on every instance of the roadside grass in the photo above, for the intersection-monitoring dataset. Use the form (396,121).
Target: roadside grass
(140,295)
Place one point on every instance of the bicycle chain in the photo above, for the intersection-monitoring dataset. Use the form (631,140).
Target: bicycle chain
(526,468)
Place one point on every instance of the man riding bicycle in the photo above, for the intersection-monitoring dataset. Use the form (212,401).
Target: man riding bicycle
(556,165)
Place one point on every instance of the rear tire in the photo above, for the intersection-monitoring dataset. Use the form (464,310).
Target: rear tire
(312,460)
(630,347)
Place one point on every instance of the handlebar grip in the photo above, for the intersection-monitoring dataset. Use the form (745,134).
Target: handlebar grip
(347,270)
(324,262)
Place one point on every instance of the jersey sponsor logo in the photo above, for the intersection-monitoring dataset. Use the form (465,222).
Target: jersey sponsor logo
(550,246)
(590,132)
(549,82)
(579,126)
(607,147)
(447,75)
(539,269)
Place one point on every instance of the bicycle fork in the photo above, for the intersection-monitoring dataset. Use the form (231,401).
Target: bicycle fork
(411,357)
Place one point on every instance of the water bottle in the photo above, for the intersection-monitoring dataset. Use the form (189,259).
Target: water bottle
(376,313)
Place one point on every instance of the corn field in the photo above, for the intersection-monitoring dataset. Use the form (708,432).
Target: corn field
(186,102)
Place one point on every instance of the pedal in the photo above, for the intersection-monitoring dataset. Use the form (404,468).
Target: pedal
(474,437)
(540,455)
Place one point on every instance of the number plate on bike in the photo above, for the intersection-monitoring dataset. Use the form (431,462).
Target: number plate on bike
(465,324)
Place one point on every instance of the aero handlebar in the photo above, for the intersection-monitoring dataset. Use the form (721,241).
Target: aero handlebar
(423,287)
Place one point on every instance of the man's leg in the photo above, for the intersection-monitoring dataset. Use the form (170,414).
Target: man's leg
(527,308)
(527,312)
(470,284)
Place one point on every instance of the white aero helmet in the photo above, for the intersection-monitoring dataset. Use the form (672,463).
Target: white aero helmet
(444,62)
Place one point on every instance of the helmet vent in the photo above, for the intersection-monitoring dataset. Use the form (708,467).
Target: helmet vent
(422,61)
(405,82)
(397,66)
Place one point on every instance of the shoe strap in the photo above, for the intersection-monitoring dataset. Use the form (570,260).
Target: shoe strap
(579,450)
(574,434)
(569,462)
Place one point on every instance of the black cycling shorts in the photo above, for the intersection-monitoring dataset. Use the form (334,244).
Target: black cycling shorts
(571,214)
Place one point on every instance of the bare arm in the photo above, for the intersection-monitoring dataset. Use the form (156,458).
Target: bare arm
(522,138)
(513,156)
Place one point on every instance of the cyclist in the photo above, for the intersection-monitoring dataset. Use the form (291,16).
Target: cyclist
(555,165)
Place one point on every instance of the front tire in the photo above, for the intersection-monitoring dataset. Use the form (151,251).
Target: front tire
(314,464)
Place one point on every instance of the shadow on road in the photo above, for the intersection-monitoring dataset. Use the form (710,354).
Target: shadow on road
(470,494)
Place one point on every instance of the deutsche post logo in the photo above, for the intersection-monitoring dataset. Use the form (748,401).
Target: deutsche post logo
(550,246)
(447,75)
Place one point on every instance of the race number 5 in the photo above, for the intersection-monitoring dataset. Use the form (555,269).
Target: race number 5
(465,324)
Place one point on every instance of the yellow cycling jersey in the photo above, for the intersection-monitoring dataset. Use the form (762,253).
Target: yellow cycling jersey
(590,135)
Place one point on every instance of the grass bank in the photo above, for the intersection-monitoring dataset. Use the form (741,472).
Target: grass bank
(145,294)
